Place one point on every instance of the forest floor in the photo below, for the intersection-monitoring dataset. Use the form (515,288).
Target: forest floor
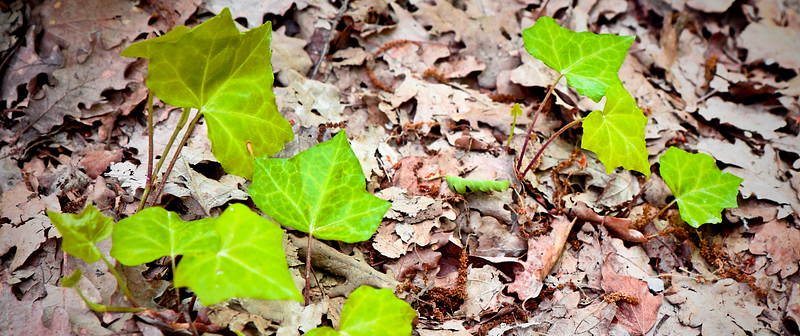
(423,88)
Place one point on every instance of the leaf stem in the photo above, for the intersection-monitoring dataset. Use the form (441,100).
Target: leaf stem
(188,317)
(186,135)
(511,134)
(150,182)
(535,116)
(150,137)
(121,283)
(307,290)
(541,150)
(103,308)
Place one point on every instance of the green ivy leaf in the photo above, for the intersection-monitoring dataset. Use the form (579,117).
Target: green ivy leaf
(320,191)
(81,232)
(516,110)
(227,75)
(72,280)
(616,134)
(700,188)
(140,49)
(460,185)
(248,261)
(589,61)
(369,311)
(154,232)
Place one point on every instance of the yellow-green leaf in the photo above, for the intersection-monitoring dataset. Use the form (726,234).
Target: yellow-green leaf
(154,232)
(227,75)
(82,232)
(589,61)
(369,311)
(616,134)
(320,191)
(701,190)
(248,261)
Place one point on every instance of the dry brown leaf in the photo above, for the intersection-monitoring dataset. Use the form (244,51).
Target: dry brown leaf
(568,318)
(420,259)
(254,10)
(79,84)
(767,42)
(747,118)
(387,242)
(74,23)
(288,53)
(95,162)
(780,241)
(716,6)
(543,251)
(636,318)
(484,292)
(25,65)
(29,226)
(725,307)
(25,317)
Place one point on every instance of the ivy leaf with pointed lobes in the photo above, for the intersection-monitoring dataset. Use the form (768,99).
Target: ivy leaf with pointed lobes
(227,75)
(616,134)
(369,311)
(154,232)
(589,61)
(320,191)
(82,232)
(700,188)
(248,261)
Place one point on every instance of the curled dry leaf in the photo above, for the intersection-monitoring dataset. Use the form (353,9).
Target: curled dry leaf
(780,241)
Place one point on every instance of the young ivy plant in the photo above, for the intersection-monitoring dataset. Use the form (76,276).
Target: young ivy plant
(590,63)
(238,254)
(321,191)
(227,77)
(369,311)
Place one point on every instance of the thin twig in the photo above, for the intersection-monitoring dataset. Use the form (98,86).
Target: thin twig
(175,157)
(535,116)
(150,136)
(188,317)
(541,150)
(148,187)
(307,291)
(327,44)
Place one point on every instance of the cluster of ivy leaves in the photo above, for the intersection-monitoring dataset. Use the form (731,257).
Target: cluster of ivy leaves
(227,77)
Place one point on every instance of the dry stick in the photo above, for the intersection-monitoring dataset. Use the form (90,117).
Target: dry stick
(188,317)
(327,44)
(307,290)
(149,186)
(175,157)
(150,136)
(535,116)
(541,150)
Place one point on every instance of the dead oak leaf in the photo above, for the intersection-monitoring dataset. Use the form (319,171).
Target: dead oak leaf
(25,65)
(28,226)
(74,23)
(25,317)
(765,41)
(484,292)
(79,85)
(636,318)
(254,10)
(721,308)
(781,243)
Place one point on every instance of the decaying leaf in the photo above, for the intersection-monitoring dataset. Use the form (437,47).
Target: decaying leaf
(781,243)
(638,317)
(543,251)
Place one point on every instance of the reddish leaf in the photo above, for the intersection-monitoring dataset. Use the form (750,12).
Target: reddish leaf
(543,252)
(638,318)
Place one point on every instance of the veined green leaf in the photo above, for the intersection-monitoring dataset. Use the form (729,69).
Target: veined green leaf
(700,188)
(247,262)
(227,75)
(616,134)
(154,232)
(320,191)
(82,232)
(589,61)
(460,185)
(369,311)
